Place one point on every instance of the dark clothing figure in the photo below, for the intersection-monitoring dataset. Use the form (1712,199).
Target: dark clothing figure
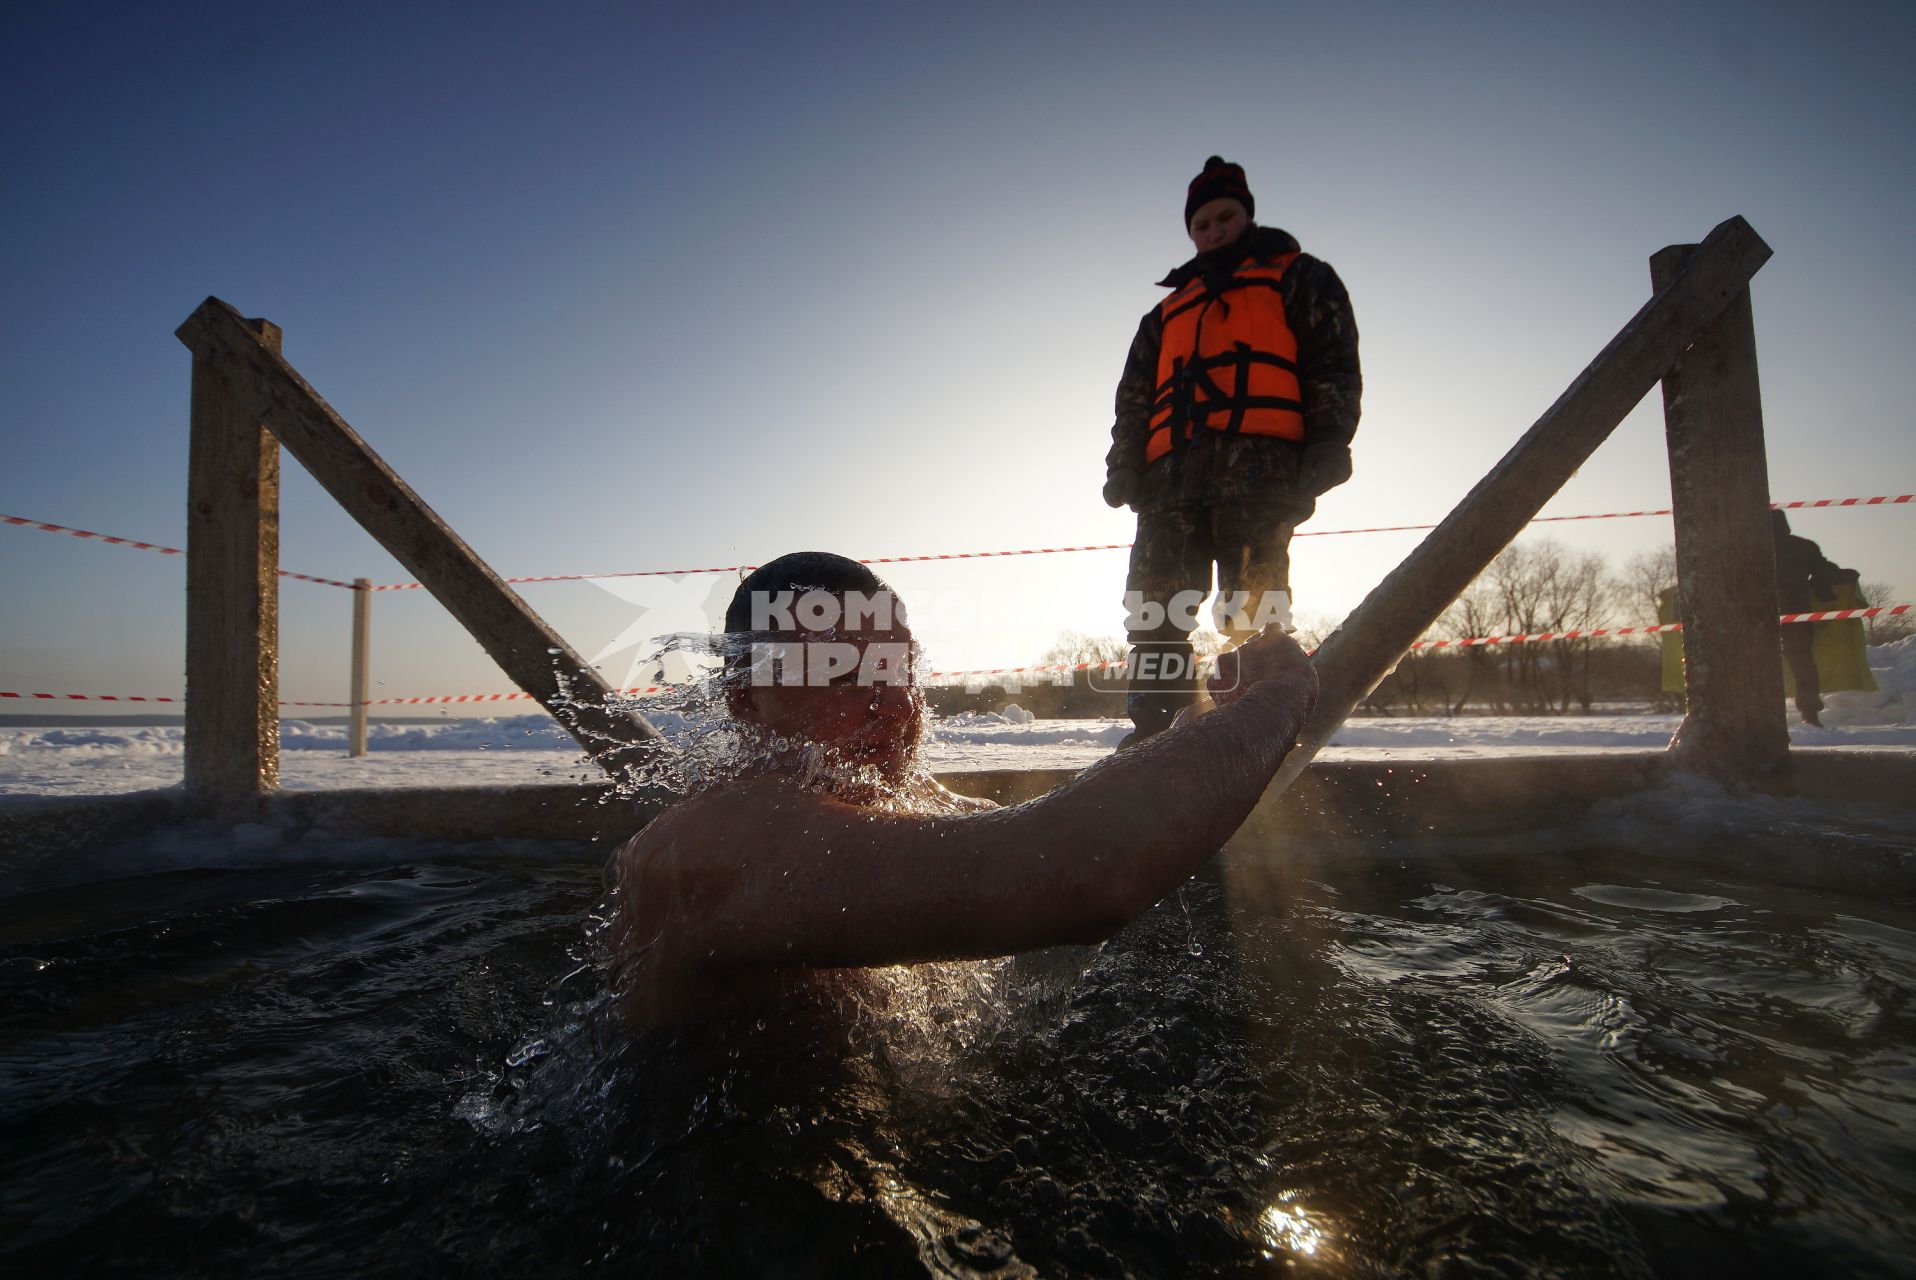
(1226,496)
(1804,575)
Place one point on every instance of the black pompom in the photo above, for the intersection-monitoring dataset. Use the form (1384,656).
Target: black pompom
(1215,162)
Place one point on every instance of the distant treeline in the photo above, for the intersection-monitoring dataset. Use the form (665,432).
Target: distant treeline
(1534,586)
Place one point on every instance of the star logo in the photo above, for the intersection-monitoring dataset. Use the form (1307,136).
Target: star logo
(666,608)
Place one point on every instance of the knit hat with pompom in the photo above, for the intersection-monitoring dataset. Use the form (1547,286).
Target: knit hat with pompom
(1220,180)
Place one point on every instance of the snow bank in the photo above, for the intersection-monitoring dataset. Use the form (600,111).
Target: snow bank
(988,728)
(515,750)
(512,733)
(91,743)
(1893,703)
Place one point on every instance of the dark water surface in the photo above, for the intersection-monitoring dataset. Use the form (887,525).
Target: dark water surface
(1577,1064)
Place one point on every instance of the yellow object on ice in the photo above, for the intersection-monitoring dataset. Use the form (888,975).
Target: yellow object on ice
(1841,648)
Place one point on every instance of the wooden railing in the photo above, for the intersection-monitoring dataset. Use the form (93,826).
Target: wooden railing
(1695,335)
(246,397)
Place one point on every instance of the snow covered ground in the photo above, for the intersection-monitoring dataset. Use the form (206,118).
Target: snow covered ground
(104,759)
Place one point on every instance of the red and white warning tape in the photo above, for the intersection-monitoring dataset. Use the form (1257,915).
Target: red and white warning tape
(89,697)
(483,697)
(747,568)
(373,702)
(1803,504)
(1592,633)
(1827,615)
(1041,668)
(1800,505)
(44,527)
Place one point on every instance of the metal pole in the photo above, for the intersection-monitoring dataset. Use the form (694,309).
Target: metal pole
(362,673)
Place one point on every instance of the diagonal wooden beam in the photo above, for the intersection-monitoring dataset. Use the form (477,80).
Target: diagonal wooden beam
(526,649)
(1405,604)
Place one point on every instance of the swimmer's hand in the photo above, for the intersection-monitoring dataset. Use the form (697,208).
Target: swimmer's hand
(1270,656)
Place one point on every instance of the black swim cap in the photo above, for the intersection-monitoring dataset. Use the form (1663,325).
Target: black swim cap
(798,572)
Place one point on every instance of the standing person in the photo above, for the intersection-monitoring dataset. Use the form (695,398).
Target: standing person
(1234,414)
(1806,579)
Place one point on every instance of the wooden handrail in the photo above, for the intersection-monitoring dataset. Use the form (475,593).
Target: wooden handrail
(529,651)
(1406,603)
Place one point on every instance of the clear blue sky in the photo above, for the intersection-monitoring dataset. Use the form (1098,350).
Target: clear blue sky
(640,286)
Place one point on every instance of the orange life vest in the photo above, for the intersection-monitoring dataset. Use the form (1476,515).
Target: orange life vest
(1228,361)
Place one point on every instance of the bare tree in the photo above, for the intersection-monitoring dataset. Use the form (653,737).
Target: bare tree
(1886,630)
(1475,613)
(1312,629)
(1076,646)
(1644,579)
(1531,587)
(1580,596)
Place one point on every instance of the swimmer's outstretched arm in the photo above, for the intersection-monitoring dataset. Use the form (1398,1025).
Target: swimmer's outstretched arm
(765,875)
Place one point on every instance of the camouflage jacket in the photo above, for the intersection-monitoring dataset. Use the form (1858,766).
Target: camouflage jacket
(1217,465)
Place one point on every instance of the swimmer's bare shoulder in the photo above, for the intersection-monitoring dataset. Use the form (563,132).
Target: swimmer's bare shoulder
(672,879)
(744,875)
(748,878)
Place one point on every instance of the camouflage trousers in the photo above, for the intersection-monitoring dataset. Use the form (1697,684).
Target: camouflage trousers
(1799,650)
(1248,540)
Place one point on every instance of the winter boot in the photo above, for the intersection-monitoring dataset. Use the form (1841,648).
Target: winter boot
(1161,676)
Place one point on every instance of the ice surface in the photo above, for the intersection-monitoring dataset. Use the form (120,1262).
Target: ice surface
(105,759)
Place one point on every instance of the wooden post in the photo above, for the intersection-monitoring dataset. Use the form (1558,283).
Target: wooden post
(530,652)
(1734,726)
(362,666)
(232,594)
(1405,604)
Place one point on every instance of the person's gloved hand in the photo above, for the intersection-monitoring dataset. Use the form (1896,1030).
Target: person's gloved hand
(1121,488)
(1323,467)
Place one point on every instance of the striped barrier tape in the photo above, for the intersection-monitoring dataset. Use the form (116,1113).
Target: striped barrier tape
(1799,505)
(1043,668)
(478,697)
(373,702)
(747,568)
(89,697)
(44,527)
(1592,633)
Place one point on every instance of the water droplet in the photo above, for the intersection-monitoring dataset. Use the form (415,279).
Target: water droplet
(526,1053)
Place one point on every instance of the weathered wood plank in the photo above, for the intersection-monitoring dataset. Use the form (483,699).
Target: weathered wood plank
(526,649)
(362,664)
(232,593)
(1405,604)
(1734,725)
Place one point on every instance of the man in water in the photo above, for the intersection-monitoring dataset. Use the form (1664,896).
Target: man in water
(1234,415)
(832,852)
